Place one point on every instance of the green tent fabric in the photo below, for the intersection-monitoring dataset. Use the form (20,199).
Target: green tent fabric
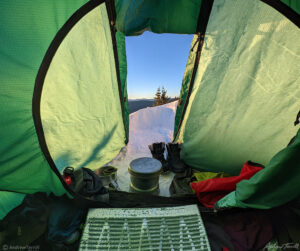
(63,96)
(82,120)
(167,16)
(27,39)
(123,78)
(9,201)
(159,16)
(275,185)
(185,84)
(246,92)
(294,5)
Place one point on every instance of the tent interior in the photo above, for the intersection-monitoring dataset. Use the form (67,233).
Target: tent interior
(64,103)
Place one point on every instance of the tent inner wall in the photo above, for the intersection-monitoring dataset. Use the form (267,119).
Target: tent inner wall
(164,16)
(80,106)
(246,92)
(26,31)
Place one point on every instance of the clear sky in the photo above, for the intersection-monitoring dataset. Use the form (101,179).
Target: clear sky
(155,60)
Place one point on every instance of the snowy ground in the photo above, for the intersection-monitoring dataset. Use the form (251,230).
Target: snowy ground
(148,125)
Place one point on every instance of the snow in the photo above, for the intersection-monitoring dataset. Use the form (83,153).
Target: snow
(147,126)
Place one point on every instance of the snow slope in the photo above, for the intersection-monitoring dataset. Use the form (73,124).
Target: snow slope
(148,125)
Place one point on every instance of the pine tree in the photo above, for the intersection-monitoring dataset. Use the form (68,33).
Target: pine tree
(157,98)
(164,97)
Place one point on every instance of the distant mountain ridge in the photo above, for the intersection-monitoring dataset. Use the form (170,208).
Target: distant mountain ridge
(137,104)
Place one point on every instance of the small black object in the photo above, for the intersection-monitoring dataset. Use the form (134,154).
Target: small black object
(175,164)
(92,184)
(157,150)
(69,171)
(87,183)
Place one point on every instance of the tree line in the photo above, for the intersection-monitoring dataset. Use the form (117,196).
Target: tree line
(160,97)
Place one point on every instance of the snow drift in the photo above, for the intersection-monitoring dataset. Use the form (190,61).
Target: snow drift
(148,125)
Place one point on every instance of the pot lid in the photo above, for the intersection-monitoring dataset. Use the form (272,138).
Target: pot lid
(145,165)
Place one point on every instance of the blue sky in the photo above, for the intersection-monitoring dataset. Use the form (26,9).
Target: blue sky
(155,60)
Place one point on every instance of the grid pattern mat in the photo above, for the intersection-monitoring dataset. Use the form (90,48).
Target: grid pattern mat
(169,228)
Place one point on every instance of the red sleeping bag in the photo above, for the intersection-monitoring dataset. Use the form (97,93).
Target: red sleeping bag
(212,190)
